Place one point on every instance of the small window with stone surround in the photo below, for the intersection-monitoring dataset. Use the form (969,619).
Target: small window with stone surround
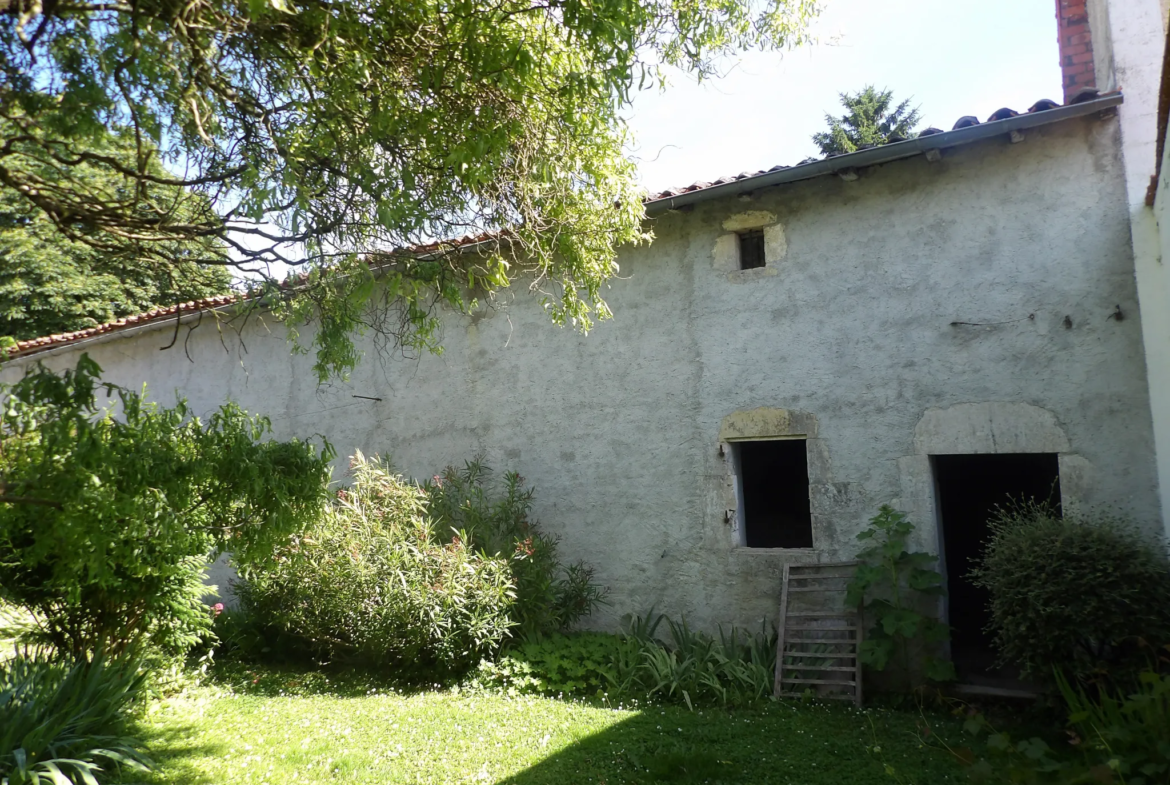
(775,493)
(751,249)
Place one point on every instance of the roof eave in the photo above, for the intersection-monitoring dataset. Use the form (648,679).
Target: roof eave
(886,153)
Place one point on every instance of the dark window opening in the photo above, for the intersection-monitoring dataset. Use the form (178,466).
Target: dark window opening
(970,489)
(751,249)
(775,494)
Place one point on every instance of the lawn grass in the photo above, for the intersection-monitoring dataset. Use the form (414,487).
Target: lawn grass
(296,728)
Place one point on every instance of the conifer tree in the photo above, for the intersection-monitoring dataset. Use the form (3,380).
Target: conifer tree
(869,120)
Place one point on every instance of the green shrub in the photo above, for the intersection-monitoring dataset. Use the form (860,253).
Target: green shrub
(1129,732)
(107,522)
(62,723)
(1117,737)
(1081,596)
(497,521)
(579,663)
(691,667)
(894,588)
(373,583)
(239,634)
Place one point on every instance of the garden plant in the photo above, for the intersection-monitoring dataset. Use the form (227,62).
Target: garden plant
(895,588)
(429,578)
(68,723)
(109,515)
(1087,595)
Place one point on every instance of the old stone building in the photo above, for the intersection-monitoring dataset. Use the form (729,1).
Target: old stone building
(937,324)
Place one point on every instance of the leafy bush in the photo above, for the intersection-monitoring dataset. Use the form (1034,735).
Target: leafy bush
(549,596)
(692,667)
(580,663)
(1129,733)
(239,634)
(696,667)
(106,523)
(890,585)
(1076,595)
(62,723)
(1116,738)
(373,583)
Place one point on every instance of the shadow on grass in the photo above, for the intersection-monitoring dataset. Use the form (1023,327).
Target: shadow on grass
(631,752)
(169,749)
(780,744)
(284,680)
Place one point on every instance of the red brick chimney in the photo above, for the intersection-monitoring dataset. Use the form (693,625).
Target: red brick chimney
(1076,47)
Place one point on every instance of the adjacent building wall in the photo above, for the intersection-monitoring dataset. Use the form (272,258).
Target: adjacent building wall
(1134,34)
(983,303)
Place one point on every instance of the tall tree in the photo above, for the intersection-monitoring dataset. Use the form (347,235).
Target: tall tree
(869,120)
(50,283)
(332,134)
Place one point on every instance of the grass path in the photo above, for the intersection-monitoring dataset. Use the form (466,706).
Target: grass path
(255,734)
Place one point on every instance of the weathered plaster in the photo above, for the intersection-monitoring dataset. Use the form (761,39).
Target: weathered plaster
(1134,35)
(619,431)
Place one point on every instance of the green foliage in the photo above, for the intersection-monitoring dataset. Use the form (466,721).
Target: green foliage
(695,667)
(496,521)
(692,667)
(106,522)
(62,723)
(580,663)
(238,635)
(323,131)
(1000,757)
(1129,733)
(869,120)
(891,586)
(1076,594)
(1115,737)
(50,283)
(373,582)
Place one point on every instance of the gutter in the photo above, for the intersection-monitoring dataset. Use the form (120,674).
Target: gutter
(886,153)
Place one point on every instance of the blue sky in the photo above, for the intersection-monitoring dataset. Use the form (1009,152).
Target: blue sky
(952,58)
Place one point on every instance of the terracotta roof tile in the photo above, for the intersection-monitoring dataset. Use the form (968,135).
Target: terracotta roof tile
(154,314)
(963,122)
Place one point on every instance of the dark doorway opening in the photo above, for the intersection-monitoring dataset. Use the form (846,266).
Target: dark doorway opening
(970,489)
(776,510)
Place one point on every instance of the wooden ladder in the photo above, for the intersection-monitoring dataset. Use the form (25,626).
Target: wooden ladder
(819,638)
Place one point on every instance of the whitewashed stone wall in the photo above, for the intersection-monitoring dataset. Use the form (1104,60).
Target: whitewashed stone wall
(969,302)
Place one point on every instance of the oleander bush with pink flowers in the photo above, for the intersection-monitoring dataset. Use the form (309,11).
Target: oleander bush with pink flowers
(422,578)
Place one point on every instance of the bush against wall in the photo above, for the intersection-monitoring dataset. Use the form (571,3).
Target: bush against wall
(497,520)
(374,582)
(106,522)
(1089,596)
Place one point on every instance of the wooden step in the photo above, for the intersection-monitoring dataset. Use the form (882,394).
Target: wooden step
(837,696)
(789,667)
